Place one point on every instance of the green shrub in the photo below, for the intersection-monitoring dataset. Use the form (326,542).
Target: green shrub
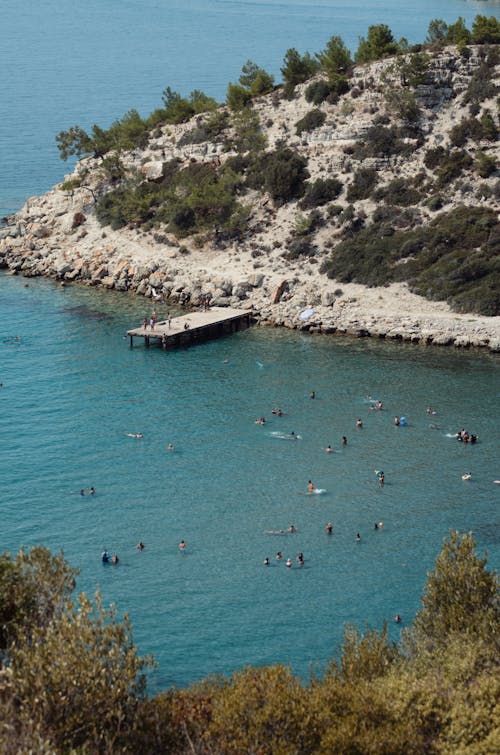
(320,192)
(380,141)
(282,173)
(434,157)
(480,87)
(362,185)
(300,248)
(452,167)
(311,120)
(400,191)
(485,164)
(317,92)
(489,128)
(455,258)
(237,97)
(210,130)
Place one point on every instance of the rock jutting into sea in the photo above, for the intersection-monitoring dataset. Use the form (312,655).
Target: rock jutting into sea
(277,264)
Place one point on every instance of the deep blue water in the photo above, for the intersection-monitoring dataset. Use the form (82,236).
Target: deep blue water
(73,62)
(73,389)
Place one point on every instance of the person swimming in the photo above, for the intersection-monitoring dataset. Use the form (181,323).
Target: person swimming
(266,561)
(134,435)
(398,619)
(279,556)
(329,450)
(289,562)
(170,447)
(329,528)
(92,490)
(182,545)
(115,559)
(396,421)
(140,546)
(300,558)
(467,476)
(105,556)
(260,421)
(292,528)
(344,440)
(310,486)
(312,394)
(358,537)
(359,423)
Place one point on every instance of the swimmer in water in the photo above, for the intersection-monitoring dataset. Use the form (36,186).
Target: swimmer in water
(359,423)
(310,486)
(344,440)
(467,476)
(182,545)
(92,490)
(134,435)
(358,537)
(312,394)
(260,421)
(288,562)
(140,546)
(300,558)
(329,450)
(170,447)
(396,421)
(266,561)
(279,556)
(329,528)
(398,619)
(375,526)
(105,556)
(292,528)
(379,405)
(82,492)
(115,559)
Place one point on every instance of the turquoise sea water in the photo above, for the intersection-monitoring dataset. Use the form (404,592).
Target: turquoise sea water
(72,62)
(72,390)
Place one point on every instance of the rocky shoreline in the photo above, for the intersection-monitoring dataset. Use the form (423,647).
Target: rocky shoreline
(276,297)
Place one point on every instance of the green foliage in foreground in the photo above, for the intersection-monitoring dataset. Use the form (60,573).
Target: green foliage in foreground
(455,258)
(72,680)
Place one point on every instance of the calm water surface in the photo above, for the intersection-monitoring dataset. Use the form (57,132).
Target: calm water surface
(73,62)
(72,390)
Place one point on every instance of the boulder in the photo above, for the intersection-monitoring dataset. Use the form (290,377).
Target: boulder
(279,291)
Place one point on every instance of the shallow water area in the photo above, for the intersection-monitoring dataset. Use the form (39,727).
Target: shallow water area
(72,391)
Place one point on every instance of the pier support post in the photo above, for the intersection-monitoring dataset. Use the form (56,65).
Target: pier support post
(146,339)
(131,341)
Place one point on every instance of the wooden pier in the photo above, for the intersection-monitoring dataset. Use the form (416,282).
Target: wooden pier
(193,327)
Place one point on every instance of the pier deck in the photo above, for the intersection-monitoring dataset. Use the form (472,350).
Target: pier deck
(193,327)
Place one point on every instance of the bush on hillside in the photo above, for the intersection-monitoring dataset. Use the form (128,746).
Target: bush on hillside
(311,121)
(282,173)
(455,258)
(362,184)
(317,92)
(320,192)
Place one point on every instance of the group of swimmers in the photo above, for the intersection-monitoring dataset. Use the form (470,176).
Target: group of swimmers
(106,558)
(288,562)
(464,436)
